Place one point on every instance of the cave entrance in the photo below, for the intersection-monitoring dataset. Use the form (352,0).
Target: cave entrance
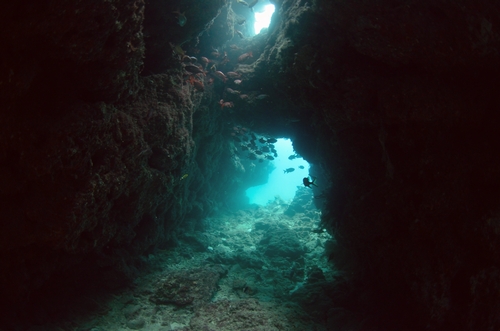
(263,18)
(286,176)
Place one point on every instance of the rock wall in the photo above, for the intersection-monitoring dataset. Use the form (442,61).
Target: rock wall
(395,104)
(98,164)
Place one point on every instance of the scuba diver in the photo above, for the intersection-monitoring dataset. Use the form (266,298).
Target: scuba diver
(308,183)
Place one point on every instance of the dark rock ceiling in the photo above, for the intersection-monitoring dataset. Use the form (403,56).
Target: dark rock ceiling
(395,102)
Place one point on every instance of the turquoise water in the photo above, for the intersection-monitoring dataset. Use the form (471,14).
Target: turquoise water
(280,184)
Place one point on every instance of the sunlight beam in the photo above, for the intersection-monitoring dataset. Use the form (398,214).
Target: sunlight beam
(263,19)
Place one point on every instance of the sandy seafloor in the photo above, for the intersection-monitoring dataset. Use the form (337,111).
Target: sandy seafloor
(260,269)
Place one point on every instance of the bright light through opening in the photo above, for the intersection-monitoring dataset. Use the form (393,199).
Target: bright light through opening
(281,183)
(263,19)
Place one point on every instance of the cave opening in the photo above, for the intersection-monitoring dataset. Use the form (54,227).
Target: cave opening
(263,18)
(286,174)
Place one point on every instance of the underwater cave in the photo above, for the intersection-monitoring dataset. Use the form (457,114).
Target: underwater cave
(178,166)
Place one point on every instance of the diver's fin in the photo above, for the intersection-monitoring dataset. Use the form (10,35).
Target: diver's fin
(314,181)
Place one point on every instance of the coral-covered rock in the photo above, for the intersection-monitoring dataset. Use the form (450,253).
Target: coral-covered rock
(97,163)
(240,315)
(186,287)
(282,243)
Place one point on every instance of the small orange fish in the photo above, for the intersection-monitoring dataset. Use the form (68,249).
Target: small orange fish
(232,74)
(194,69)
(223,104)
(231,91)
(245,56)
(198,84)
(220,75)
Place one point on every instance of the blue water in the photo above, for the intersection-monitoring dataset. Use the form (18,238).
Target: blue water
(279,183)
